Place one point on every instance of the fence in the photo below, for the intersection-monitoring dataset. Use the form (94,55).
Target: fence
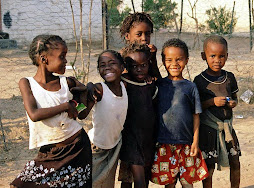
(100,22)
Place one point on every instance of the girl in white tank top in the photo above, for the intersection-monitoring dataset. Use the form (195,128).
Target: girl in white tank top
(109,113)
(65,156)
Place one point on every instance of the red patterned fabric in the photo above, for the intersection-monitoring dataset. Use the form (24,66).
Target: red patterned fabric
(173,160)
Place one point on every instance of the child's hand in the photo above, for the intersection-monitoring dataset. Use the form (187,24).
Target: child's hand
(149,79)
(194,149)
(153,48)
(72,111)
(231,103)
(94,94)
(219,101)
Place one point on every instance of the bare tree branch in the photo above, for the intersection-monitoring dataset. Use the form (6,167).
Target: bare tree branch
(90,41)
(76,40)
(194,17)
(81,42)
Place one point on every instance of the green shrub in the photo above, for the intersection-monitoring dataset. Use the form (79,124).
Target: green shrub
(161,12)
(219,20)
(115,16)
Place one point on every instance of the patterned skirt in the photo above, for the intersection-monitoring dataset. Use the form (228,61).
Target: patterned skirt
(173,161)
(59,166)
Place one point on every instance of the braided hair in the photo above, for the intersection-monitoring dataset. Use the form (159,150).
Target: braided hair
(43,43)
(136,17)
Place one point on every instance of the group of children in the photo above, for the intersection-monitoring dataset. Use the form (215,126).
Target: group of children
(154,125)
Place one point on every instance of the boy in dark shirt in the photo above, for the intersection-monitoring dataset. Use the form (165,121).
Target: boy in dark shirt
(217,89)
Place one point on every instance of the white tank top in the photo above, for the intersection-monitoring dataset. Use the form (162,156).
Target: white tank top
(55,129)
(108,118)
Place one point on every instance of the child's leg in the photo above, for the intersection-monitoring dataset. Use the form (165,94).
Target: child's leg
(126,185)
(170,185)
(234,172)
(125,175)
(147,174)
(139,176)
(207,183)
(187,185)
(233,156)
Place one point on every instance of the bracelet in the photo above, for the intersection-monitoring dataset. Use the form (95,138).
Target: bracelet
(75,102)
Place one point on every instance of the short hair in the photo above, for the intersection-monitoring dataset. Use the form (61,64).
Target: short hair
(43,43)
(115,53)
(175,42)
(135,17)
(215,39)
(135,47)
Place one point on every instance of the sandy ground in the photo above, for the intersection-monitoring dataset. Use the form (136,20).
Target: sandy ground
(14,64)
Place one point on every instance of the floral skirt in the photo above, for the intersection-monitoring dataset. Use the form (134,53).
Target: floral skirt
(65,166)
(173,161)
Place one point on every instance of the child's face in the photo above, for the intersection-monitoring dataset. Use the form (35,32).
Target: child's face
(174,62)
(56,59)
(110,68)
(140,32)
(138,66)
(216,56)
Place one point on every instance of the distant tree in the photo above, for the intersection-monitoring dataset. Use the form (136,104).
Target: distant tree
(220,20)
(161,11)
(115,16)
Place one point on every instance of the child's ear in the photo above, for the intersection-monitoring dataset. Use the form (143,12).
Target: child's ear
(122,67)
(203,55)
(43,59)
(127,36)
(187,60)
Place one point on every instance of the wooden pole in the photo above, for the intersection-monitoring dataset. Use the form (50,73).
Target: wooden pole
(104,25)
(232,20)
(250,25)
(181,19)
(133,6)
(1,29)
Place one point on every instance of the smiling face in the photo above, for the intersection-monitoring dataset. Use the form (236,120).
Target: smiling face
(140,32)
(174,61)
(110,67)
(56,59)
(138,66)
(216,56)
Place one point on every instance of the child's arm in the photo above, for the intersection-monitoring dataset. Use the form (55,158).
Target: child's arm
(220,101)
(216,101)
(96,91)
(38,114)
(155,70)
(72,83)
(88,96)
(194,146)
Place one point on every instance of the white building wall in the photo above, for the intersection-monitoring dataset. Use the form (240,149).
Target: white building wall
(241,10)
(33,17)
